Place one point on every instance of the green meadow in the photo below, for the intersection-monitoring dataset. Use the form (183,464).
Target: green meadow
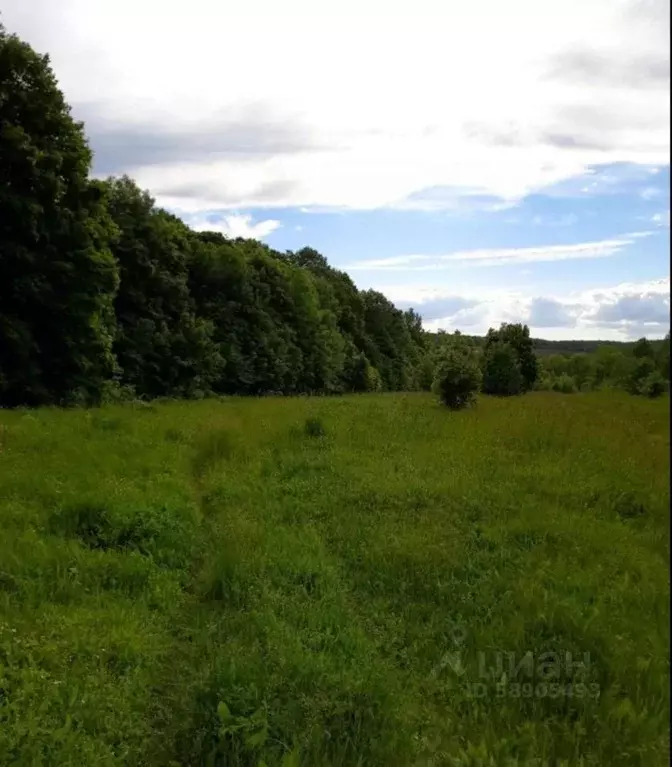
(360,580)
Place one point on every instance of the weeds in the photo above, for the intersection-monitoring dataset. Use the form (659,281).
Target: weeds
(314,427)
(216,582)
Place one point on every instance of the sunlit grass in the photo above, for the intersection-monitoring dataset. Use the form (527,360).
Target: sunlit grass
(336,581)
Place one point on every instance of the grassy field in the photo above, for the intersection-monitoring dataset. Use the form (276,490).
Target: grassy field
(366,580)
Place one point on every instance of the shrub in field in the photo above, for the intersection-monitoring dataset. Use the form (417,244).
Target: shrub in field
(564,384)
(654,385)
(458,379)
(544,382)
(314,427)
(162,532)
(501,370)
(640,371)
(114,391)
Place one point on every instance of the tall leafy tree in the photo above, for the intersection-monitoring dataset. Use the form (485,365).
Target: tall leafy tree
(502,375)
(517,336)
(58,275)
(162,346)
(388,342)
(643,348)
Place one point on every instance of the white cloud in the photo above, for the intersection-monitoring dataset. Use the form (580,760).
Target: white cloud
(357,105)
(617,312)
(570,219)
(651,193)
(662,219)
(502,256)
(234,225)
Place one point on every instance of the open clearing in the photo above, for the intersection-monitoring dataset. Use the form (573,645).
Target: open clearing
(364,580)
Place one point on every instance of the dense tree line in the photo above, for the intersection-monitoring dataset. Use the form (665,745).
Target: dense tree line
(104,295)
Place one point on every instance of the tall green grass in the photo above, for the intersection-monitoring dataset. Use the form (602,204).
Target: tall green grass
(367,580)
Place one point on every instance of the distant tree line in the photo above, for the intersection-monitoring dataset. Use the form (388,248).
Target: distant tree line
(641,368)
(543,347)
(103,295)
(505,363)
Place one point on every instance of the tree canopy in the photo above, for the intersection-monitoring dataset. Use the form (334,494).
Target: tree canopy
(58,274)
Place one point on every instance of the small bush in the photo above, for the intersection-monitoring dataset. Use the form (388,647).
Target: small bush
(628,506)
(564,384)
(107,423)
(161,532)
(642,370)
(114,392)
(313,427)
(654,385)
(175,435)
(458,379)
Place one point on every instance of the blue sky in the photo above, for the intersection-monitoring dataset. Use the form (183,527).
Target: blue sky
(481,162)
(546,255)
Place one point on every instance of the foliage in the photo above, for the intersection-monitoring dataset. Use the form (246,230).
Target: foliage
(564,384)
(643,368)
(640,369)
(202,583)
(106,297)
(425,372)
(458,378)
(162,347)
(314,427)
(105,294)
(517,337)
(663,357)
(501,370)
(58,275)
(642,349)
(654,385)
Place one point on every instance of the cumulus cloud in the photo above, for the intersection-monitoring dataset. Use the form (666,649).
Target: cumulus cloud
(617,312)
(233,225)
(612,68)
(503,256)
(331,125)
(549,313)
(661,219)
(246,132)
(638,306)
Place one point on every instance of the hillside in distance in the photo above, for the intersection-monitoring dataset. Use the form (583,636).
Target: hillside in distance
(544,347)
